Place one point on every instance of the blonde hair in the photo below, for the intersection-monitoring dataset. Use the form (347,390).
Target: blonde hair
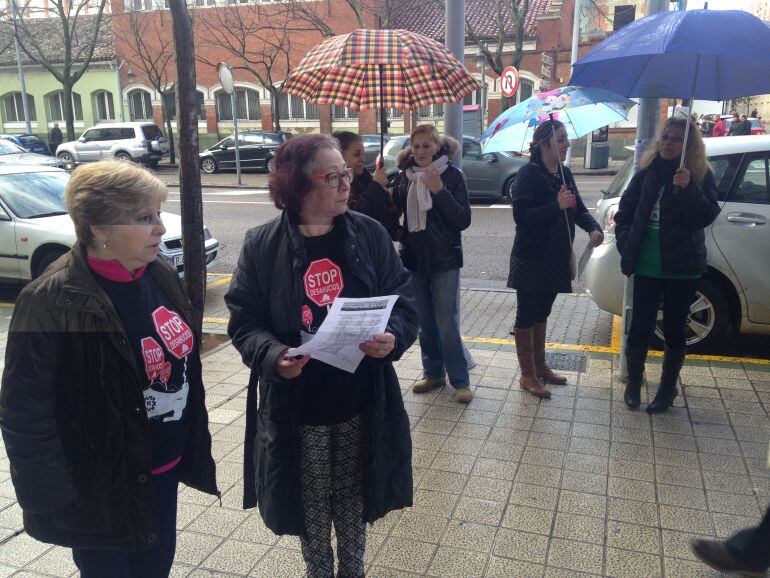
(695,156)
(427,130)
(106,193)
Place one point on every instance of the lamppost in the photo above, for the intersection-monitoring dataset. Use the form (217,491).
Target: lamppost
(120,88)
(22,85)
(226,80)
(481,60)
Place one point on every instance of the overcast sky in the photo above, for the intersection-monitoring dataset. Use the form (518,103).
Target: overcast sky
(719,4)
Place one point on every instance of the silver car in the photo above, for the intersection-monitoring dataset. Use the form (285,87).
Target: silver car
(141,142)
(734,295)
(35,228)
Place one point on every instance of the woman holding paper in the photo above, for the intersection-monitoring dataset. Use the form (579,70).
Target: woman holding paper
(323,445)
(546,208)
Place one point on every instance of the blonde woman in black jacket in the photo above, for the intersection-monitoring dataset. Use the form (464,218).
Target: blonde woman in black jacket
(659,228)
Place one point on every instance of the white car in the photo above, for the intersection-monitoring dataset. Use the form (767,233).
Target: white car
(734,295)
(35,228)
(140,142)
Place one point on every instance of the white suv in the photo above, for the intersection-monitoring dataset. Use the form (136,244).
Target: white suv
(141,142)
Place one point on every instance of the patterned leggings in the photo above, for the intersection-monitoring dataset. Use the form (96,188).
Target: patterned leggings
(331,492)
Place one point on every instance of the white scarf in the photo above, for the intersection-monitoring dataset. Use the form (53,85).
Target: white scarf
(419,200)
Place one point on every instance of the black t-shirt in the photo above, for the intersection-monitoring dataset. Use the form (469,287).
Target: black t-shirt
(162,343)
(330,395)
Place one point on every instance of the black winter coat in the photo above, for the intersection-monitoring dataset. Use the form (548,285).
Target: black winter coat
(73,418)
(367,196)
(265,301)
(683,216)
(540,258)
(439,246)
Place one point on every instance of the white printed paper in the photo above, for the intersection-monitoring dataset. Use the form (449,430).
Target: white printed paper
(349,322)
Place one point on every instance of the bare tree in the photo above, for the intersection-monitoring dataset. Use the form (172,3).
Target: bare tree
(148,53)
(64,43)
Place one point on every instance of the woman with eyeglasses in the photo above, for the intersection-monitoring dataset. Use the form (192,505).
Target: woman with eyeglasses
(323,446)
(659,232)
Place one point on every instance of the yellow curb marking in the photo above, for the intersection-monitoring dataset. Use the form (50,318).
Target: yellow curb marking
(4,304)
(224,281)
(617,332)
(216,320)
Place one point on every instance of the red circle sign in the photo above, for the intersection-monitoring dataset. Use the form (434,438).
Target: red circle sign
(509,81)
(175,333)
(323,282)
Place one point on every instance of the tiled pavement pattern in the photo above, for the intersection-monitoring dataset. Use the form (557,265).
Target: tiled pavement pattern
(507,486)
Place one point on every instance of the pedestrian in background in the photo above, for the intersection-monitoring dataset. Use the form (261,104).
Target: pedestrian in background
(746,125)
(102,404)
(323,446)
(736,128)
(546,208)
(720,126)
(368,192)
(55,138)
(433,196)
(659,232)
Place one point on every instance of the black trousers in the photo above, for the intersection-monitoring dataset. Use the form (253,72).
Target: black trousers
(532,308)
(676,296)
(753,544)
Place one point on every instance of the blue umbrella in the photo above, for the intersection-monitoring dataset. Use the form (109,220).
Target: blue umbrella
(580,109)
(706,54)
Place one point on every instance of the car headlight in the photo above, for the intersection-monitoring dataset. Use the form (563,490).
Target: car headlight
(206,234)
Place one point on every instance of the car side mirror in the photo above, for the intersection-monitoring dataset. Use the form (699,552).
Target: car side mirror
(490,158)
(3,215)
(223,147)
(82,139)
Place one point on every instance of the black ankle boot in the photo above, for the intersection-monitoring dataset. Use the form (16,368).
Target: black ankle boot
(667,391)
(635,357)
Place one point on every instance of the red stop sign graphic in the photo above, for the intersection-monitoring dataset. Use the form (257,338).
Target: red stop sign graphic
(175,333)
(323,282)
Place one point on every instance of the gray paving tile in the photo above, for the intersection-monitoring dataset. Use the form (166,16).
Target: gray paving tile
(577,556)
(521,546)
(405,554)
(633,564)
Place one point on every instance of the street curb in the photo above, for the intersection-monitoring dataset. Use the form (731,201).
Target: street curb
(595,173)
(233,186)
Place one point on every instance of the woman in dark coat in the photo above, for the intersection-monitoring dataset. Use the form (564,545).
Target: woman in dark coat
(659,232)
(546,210)
(322,445)
(368,191)
(102,404)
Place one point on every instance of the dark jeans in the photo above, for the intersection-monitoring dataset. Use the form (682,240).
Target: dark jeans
(153,563)
(532,308)
(676,295)
(752,545)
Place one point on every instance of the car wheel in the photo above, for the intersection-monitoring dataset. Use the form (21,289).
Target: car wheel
(508,188)
(271,165)
(66,158)
(153,165)
(123,156)
(707,322)
(209,165)
(46,260)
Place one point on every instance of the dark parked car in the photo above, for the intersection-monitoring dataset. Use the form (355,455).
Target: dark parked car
(488,175)
(372,149)
(28,142)
(13,154)
(256,149)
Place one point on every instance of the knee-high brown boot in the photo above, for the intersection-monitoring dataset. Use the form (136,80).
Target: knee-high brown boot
(543,371)
(528,380)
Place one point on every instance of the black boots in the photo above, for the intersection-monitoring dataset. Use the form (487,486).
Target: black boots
(667,391)
(635,357)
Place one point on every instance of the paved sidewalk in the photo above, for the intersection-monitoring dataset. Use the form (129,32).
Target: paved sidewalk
(508,486)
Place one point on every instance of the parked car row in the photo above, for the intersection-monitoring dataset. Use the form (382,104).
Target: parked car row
(734,296)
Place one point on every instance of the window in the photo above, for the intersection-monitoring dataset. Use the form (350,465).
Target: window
(140,104)
(472,97)
(431,111)
(526,88)
(754,187)
(342,113)
(291,107)
(92,135)
(471,149)
(390,114)
(55,102)
(14,107)
(246,105)
(170,100)
(104,108)
(624,14)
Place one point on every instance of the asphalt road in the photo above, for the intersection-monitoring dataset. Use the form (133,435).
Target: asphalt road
(487,242)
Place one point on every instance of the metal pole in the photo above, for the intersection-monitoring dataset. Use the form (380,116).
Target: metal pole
(455,42)
(120,89)
(647,123)
(235,136)
(574,55)
(483,92)
(24,98)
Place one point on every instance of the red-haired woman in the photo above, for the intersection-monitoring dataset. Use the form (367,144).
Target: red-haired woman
(323,446)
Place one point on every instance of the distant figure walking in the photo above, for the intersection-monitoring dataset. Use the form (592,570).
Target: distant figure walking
(55,138)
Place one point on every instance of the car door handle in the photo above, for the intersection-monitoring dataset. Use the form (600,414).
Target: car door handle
(749,219)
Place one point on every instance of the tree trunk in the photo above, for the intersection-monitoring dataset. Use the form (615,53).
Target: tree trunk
(69,113)
(189,172)
(276,102)
(169,131)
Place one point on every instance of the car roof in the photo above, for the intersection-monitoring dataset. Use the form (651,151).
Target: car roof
(123,124)
(11,169)
(717,146)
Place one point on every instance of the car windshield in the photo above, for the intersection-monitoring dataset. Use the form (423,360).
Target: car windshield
(394,145)
(9,148)
(274,139)
(34,195)
(29,140)
(151,131)
(618,185)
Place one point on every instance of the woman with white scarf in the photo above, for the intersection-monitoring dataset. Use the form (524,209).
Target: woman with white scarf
(433,196)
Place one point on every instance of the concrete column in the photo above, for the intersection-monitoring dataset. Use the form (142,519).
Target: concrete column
(455,42)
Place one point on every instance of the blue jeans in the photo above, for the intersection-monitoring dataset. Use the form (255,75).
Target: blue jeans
(438,308)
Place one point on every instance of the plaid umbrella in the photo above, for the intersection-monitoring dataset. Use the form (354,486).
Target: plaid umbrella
(380,69)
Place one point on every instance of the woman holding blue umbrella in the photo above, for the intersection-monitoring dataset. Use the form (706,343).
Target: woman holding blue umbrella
(546,208)
(659,232)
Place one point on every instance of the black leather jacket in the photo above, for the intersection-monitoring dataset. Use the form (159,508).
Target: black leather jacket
(73,418)
(265,302)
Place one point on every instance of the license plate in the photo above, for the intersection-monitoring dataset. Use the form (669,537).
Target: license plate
(177,259)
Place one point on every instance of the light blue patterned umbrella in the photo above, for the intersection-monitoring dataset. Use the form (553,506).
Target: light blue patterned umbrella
(582,110)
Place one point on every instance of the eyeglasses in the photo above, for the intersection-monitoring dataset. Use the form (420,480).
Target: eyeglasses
(334,180)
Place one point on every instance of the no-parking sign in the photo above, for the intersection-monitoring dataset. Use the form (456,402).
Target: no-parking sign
(509,81)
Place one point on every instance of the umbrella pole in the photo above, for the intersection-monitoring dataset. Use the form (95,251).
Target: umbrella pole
(686,133)
(554,144)
(383,122)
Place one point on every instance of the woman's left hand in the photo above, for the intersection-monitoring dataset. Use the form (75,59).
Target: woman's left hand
(682,178)
(433,180)
(379,346)
(596,238)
